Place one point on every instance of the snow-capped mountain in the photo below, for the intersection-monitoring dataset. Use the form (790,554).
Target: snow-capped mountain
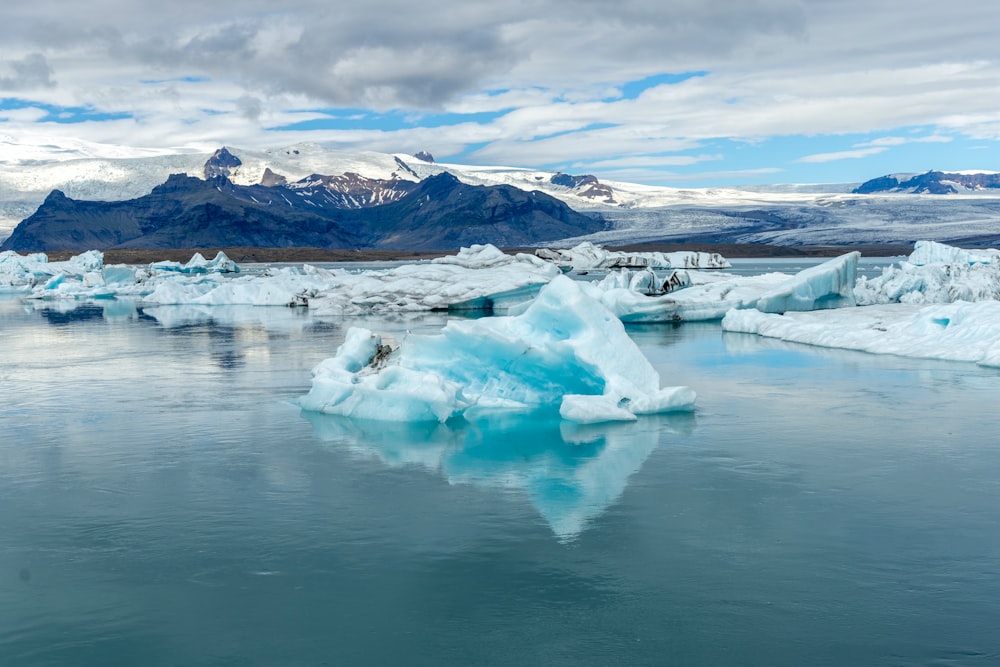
(437,213)
(633,213)
(933,182)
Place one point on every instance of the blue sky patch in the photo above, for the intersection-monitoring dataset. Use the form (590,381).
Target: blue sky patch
(362,119)
(633,89)
(178,79)
(59,114)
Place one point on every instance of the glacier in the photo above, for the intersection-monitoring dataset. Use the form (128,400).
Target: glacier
(564,352)
(778,214)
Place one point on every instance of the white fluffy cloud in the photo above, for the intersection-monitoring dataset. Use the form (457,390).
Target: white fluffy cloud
(548,76)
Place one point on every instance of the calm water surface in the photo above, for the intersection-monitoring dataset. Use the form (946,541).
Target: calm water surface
(162,502)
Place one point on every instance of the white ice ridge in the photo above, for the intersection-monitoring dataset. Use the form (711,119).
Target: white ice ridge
(958,331)
(586,256)
(935,273)
(563,352)
(198,264)
(932,252)
(710,296)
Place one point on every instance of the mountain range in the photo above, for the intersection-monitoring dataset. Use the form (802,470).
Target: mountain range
(932,182)
(307,194)
(344,211)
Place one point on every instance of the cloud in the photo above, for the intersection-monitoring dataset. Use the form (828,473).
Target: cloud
(647,161)
(540,83)
(843,155)
(250,107)
(30,72)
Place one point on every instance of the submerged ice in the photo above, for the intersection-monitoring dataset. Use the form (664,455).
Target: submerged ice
(564,352)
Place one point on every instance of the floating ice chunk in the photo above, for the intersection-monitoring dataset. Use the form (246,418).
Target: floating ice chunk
(564,351)
(198,264)
(935,273)
(826,285)
(36,269)
(932,252)
(711,296)
(646,281)
(485,256)
(586,256)
(958,331)
(19,271)
(480,278)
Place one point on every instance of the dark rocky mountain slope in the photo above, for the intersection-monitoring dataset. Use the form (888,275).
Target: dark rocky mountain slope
(438,213)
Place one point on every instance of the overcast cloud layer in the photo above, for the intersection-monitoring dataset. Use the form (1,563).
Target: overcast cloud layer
(576,85)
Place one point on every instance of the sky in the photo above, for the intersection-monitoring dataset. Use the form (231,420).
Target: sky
(685,93)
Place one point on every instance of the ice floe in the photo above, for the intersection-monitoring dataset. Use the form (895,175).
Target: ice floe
(711,295)
(935,273)
(932,252)
(198,264)
(959,331)
(564,352)
(477,278)
(587,256)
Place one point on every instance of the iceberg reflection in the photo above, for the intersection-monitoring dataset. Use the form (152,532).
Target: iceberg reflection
(571,473)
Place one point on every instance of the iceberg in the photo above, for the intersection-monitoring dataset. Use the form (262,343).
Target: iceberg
(36,271)
(820,287)
(564,352)
(478,278)
(959,331)
(935,273)
(711,296)
(646,282)
(932,252)
(587,256)
(198,264)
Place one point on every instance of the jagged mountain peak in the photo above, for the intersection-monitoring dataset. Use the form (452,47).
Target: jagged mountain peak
(221,163)
(586,185)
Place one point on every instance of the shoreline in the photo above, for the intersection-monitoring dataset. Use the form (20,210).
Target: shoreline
(244,254)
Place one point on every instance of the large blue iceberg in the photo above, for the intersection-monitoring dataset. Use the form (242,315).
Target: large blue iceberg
(565,352)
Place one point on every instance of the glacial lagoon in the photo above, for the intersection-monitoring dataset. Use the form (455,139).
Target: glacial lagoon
(164,502)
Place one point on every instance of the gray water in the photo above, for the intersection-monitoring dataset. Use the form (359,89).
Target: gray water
(162,502)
